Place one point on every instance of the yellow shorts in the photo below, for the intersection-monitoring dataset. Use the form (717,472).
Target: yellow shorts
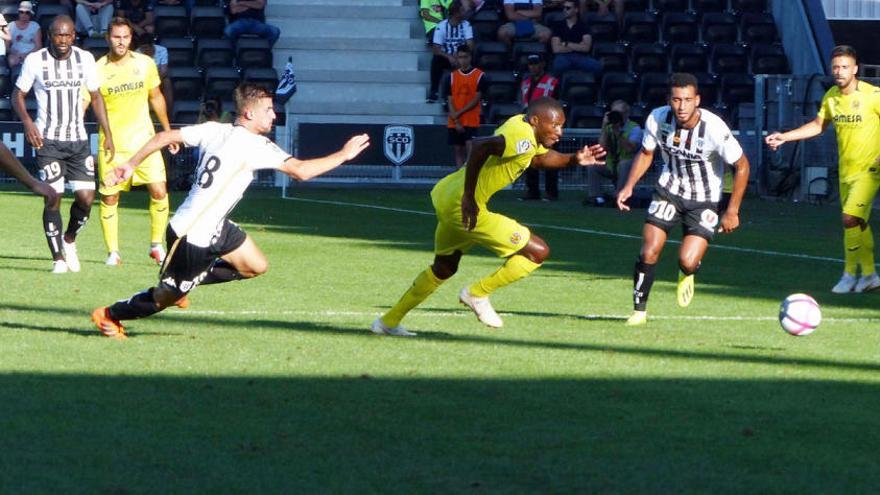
(857,195)
(151,171)
(502,235)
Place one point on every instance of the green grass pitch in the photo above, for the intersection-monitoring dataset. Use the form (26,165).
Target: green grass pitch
(275,385)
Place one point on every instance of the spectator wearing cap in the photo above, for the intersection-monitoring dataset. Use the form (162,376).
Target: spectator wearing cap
(25,35)
(523,16)
(538,84)
(571,43)
(449,35)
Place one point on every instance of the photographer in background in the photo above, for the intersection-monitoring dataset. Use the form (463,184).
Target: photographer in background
(211,110)
(621,138)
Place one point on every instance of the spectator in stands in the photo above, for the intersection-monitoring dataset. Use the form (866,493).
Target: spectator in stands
(621,138)
(571,43)
(25,35)
(466,86)
(4,36)
(211,110)
(432,12)
(603,7)
(449,34)
(249,17)
(93,18)
(187,4)
(523,16)
(148,47)
(140,14)
(535,85)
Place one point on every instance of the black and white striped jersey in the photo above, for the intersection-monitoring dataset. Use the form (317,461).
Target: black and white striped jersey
(693,159)
(449,37)
(58,85)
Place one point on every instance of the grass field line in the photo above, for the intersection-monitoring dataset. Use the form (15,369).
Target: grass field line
(579,230)
(465,314)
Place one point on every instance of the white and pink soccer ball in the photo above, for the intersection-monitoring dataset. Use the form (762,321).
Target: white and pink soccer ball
(799,314)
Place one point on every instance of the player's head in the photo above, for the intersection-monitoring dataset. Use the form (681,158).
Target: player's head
(253,103)
(684,97)
(464,57)
(61,36)
(844,65)
(547,118)
(119,36)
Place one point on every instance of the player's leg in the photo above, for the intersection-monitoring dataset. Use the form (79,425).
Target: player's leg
(81,173)
(700,223)
(852,236)
(108,207)
(158,218)
(51,171)
(643,272)
(858,237)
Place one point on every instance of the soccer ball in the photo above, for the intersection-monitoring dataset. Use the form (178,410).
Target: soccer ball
(799,314)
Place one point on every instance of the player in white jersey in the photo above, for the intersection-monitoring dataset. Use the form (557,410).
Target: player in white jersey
(204,247)
(695,146)
(58,74)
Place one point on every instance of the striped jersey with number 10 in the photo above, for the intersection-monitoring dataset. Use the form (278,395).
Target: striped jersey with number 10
(693,159)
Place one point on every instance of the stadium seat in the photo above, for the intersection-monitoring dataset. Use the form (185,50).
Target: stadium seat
(640,27)
(688,58)
(612,56)
(585,117)
(485,25)
(181,52)
(6,111)
(769,59)
(214,53)
(602,27)
(491,55)
(742,6)
(253,52)
(47,12)
(729,59)
(552,17)
(207,22)
(502,87)
(708,86)
(635,5)
(187,83)
(579,88)
(618,86)
(680,27)
(737,88)
(639,114)
(654,89)
(171,21)
(5,82)
(186,112)
(208,3)
(266,77)
(719,28)
(98,47)
(704,6)
(502,111)
(757,28)
(649,57)
(221,81)
(521,51)
(663,6)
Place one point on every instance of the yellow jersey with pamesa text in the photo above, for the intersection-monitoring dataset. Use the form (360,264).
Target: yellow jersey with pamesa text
(856,119)
(125,87)
(520,146)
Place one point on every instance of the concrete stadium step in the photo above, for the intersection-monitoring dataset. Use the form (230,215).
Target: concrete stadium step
(386,93)
(336,60)
(363,108)
(354,12)
(350,28)
(370,76)
(351,44)
(346,3)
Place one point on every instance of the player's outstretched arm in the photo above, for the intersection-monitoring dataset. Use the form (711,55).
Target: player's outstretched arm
(306,169)
(588,155)
(806,131)
(730,218)
(481,149)
(10,164)
(641,164)
(157,142)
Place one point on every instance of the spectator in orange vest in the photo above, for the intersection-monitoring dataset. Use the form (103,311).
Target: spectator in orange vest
(466,85)
(538,84)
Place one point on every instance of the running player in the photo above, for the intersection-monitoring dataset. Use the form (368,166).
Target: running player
(204,247)
(695,145)
(854,108)
(463,219)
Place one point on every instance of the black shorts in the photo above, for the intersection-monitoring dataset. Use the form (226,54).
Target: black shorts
(186,265)
(70,160)
(697,217)
(460,138)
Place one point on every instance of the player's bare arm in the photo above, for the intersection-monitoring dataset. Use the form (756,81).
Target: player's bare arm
(641,164)
(810,129)
(100,112)
(31,133)
(157,103)
(122,172)
(481,148)
(730,218)
(306,169)
(586,156)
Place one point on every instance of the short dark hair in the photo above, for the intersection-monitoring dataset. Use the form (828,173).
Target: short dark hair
(463,49)
(683,80)
(845,51)
(247,93)
(120,21)
(454,8)
(543,104)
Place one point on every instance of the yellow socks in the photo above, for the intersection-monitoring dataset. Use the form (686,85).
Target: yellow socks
(110,226)
(852,243)
(423,286)
(515,268)
(866,253)
(158,219)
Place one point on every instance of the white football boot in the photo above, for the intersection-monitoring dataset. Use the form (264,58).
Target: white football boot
(846,284)
(59,266)
(70,256)
(868,283)
(482,307)
(380,328)
(113,259)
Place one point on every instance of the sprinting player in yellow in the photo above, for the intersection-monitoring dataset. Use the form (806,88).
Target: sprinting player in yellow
(854,108)
(130,86)
(463,220)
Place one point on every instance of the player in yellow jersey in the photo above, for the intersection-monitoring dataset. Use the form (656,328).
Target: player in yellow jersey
(130,86)
(854,108)
(463,220)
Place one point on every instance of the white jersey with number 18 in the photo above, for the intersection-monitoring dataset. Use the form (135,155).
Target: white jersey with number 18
(229,156)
